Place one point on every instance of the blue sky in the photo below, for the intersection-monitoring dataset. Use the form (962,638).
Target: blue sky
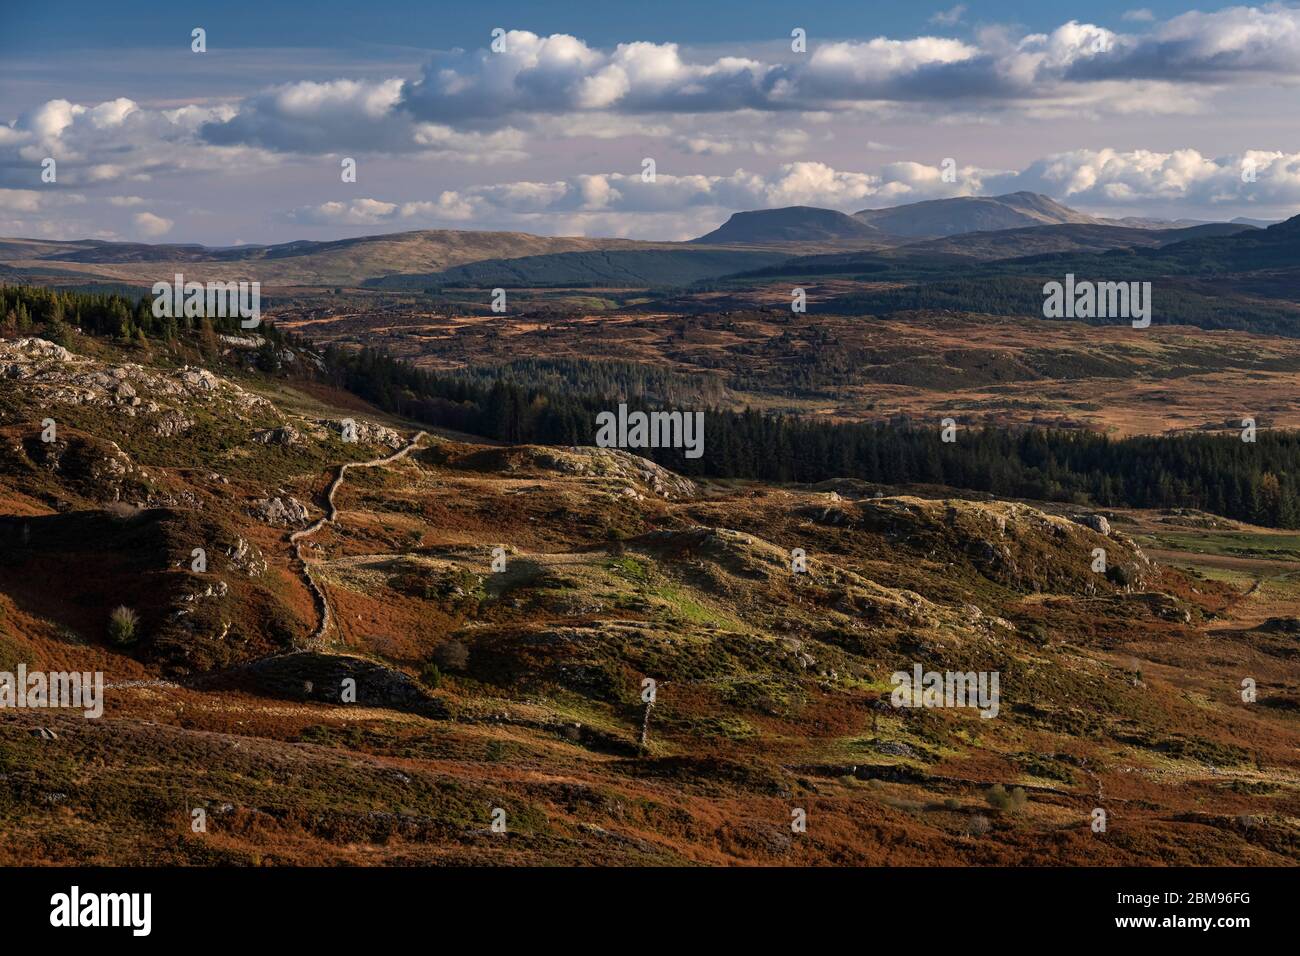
(432,24)
(1138,108)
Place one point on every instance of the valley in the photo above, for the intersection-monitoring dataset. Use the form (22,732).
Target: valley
(924,366)
(520,689)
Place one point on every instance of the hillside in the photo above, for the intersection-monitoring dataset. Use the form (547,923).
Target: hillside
(635,268)
(520,688)
(332,563)
(1065,237)
(947,217)
(343,262)
(1003,227)
(791,224)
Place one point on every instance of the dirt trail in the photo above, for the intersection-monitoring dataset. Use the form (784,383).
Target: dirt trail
(317,636)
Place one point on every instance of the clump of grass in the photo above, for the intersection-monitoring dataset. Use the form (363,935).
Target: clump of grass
(628,567)
(1008,801)
(123,624)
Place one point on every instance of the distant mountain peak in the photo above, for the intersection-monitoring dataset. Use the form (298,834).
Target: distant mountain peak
(790,224)
(934,218)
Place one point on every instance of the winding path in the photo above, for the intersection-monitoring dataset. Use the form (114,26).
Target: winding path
(330,517)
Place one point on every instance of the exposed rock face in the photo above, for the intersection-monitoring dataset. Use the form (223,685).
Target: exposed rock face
(623,465)
(285,510)
(172,423)
(284,435)
(96,468)
(246,558)
(1096,522)
(367,433)
(51,374)
(243,341)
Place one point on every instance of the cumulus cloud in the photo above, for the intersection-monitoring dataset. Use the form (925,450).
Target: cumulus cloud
(689,108)
(484,106)
(37,200)
(46,213)
(610,203)
(1176,179)
(1077,61)
(151,226)
(113,141)
(349,115)
(605,194)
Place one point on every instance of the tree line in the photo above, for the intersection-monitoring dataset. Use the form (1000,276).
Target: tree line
(1251,481)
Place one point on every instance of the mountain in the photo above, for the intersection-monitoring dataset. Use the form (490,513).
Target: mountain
(791,224)
(948,217)
(1204,251)
(934,218)
(1067,237)
(937,257)
(341,262)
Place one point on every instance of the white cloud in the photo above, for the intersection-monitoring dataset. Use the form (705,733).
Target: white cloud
(621,204)
(37,200)
(1178,179)
(151,226)
(1076,62)
(356,212)
(1140,15)
(951,17)
(116,140)
(583,196)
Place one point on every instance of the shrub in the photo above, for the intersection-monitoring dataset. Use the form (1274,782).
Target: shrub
(430,676)
(122,623)
(58,332)
(452,656)
(978,826)
(1000,798)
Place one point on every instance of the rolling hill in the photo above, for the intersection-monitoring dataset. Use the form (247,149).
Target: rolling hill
(926,235)
(341,262)
(606,267)
(947,217)
(791,224)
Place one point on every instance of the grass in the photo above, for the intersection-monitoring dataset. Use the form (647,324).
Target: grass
(1244,544)
(687,608)
(629,568)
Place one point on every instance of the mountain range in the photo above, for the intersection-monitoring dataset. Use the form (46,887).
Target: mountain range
(995,227)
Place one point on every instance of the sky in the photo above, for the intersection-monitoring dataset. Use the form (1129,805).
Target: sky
(545,117)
